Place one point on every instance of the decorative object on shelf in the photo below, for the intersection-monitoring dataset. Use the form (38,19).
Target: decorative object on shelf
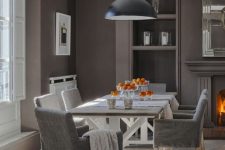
(63,34)
(147,38)
(155,5)
(165,38)
(130,10)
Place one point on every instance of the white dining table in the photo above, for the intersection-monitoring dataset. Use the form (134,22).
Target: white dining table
(99,116)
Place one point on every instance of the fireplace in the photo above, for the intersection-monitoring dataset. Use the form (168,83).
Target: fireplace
(211,76)
(221,108)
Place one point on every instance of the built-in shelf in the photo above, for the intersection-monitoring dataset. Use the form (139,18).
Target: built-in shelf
(154,48)
(166,16)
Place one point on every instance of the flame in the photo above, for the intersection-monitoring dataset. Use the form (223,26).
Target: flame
(221,106)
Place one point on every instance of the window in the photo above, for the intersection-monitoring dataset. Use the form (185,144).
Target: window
(12,50)
(5,49)
(12,65)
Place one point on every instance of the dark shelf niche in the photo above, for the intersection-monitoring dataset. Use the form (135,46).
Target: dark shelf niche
(157,66)
(167,7)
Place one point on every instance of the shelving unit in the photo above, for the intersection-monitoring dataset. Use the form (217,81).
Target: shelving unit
(167,16)
(154,48)
(157,63)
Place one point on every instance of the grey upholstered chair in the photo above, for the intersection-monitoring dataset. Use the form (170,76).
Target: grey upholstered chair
(50,101)
(71,99)
(184,132)
(58,131)
(157,87)
(190,108)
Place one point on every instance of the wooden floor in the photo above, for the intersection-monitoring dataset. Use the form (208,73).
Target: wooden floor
(209,145)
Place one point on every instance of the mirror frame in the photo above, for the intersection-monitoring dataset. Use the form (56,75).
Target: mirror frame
(207,50)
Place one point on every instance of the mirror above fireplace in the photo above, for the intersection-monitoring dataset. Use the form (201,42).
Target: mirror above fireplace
(213,28)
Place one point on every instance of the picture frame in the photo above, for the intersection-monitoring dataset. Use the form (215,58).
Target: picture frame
(63,34)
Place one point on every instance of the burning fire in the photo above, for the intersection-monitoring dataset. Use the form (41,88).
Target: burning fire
(221,108)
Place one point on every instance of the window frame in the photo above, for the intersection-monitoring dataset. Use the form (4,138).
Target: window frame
(10,122)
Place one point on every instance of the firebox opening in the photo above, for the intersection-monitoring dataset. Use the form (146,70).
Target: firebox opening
(221,108)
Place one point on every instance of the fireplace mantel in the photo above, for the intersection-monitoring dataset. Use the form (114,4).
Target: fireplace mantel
(206,68)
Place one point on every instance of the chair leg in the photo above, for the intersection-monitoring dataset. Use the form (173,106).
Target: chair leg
(202,142)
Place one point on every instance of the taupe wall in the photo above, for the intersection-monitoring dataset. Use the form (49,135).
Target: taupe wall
(191,47)
(33,63)
(41,63)
(95,48)
(53,65)
(41,60)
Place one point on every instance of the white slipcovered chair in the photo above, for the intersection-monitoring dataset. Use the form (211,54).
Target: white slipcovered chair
(49,101)
(71,99)
(157,87)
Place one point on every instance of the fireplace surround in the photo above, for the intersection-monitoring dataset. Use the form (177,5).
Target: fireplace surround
(211,75)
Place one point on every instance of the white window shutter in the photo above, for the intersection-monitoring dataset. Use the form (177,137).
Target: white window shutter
(19,72)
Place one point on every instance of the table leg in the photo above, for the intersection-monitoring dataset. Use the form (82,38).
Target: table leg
(144,131)
(114,123)
(130,131)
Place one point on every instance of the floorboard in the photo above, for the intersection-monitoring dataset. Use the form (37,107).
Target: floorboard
(209,145)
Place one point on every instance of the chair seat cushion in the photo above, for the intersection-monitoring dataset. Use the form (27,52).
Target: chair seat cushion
(79,121)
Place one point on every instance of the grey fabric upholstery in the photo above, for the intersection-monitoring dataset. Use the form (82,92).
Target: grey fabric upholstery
(190,108)
(50,101)
(157,87)
(186,107)
(71,98)
(182,132)
(182,116)
(58,131)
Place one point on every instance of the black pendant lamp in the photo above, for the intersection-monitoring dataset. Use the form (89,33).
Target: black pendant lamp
(130,10)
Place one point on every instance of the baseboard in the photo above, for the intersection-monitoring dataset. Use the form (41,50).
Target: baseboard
(23,141)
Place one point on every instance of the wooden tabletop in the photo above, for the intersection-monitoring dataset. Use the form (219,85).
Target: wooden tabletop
(118,111)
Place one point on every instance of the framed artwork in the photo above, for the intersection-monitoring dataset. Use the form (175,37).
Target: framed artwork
(63,34)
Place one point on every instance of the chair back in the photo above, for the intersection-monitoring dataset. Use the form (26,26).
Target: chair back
(57,129)
(71,98)
(49,101)
(199,115)
(157,87)
(201,106)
